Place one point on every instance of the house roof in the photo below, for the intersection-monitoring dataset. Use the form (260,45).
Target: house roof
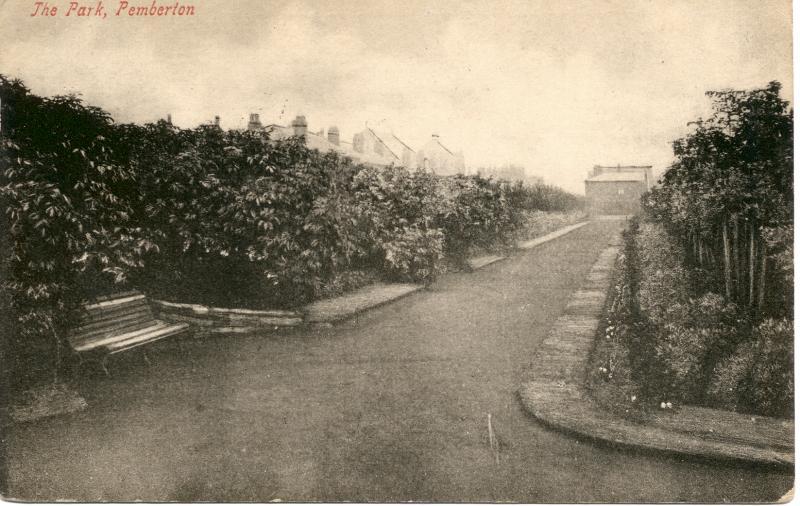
(320,142)
(442,145)
(379,138)
(609,177)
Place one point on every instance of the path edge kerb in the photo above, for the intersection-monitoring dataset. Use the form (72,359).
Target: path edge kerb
(208,320)
(558,398)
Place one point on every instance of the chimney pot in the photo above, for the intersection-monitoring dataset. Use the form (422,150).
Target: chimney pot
(254,123)
(333,135)
(300,125)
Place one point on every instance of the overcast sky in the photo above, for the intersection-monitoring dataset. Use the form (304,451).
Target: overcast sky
(557,86)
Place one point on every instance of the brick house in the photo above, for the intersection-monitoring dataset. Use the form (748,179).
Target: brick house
(617,190)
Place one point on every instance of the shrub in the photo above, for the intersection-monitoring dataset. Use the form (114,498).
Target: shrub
(664,280)
(773,370)
(674,339)
(759,376)
(688,346)
(727,388)
(414,255)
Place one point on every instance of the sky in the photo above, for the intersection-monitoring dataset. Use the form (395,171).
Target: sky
(556,86)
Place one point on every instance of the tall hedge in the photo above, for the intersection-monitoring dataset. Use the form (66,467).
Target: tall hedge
(206,215)
(728,197)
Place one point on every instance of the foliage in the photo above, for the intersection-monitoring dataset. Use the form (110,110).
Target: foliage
(542,197)
(758,375)
(730,184)
(685,346)
(610,373)
(212,216)
(414,255)
(72,234)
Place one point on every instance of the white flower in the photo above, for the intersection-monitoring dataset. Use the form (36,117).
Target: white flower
(633,398)
(663,405)
(669,405)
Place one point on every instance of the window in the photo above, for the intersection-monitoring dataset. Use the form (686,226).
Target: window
(621,191)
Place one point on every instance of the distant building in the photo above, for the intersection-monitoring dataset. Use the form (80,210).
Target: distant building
(318,140)
(617,190)
(370,146)
(438,159)
(386,145)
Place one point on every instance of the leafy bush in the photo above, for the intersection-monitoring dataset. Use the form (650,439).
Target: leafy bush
(773,370)
(729,381)
(414,255)
(610,375)
(685,348)
(71,230)
(542,197)
(759,376)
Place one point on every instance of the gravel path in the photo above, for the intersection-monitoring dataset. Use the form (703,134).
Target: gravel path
(389,406)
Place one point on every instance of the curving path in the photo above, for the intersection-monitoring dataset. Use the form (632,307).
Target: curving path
(390,406)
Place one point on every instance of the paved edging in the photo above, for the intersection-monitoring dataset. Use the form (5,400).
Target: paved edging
(558,398)
(484,260)
(214,320)
(344,306)
(552,235)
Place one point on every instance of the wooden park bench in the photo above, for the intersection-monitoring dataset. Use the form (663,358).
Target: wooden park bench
(118,323)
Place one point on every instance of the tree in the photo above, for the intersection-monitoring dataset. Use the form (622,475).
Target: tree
(730,184)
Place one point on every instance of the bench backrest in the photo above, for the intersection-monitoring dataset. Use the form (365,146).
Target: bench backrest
(109,316)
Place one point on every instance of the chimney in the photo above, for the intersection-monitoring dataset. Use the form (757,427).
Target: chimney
(300,126)
(358,143)
(254,123)
(169,118)
(216,121)
(333,135)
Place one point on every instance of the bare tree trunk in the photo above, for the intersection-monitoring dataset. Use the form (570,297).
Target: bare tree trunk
(737,272)
(752,288)
(726,251)
(700,251)
(697,248)
(763,275)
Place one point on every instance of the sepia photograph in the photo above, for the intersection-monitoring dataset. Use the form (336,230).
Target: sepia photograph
(373,251)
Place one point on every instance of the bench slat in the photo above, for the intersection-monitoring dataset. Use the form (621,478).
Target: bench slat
(117,295)
(82,340)
(121,307)
(114,302)
(119,322)
(149,337)
(89,325)
(105,341)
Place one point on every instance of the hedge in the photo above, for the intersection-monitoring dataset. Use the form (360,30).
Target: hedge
(211,216)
